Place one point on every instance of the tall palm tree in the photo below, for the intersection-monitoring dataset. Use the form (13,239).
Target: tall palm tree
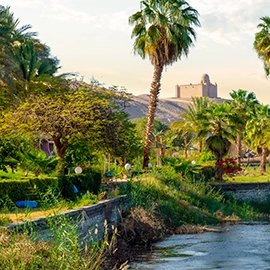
(243,104)
(258,133)
(262,43)
(163,31)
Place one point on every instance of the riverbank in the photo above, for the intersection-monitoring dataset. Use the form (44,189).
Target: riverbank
(137,232)
(164,204)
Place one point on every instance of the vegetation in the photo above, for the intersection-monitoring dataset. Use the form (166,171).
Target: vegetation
(163,31)
(87,123)
(262,43)
(65,250)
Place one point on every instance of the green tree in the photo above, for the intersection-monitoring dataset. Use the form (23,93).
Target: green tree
(33,64)
(257,133)
(140,123)
(10,35)
(193,116)
(24,60)
(163,31)
(82,113)
(262,43)
(180,135)
(218,129)
(243,104)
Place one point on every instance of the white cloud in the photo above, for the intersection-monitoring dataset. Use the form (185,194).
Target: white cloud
(229,21)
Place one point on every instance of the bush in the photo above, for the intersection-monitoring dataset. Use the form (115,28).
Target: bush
(25,188)
(208,173)
(206,156)
(66,187)
(87,182)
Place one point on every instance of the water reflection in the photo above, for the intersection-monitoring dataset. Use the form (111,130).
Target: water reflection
(244,246)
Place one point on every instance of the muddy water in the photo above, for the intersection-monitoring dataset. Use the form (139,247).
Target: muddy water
(243,247)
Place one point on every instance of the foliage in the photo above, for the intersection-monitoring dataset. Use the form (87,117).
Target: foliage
(26,64)
(243,105)
(80,113)
(262,42)
(229,166)
(87,182)
(37,162)
(257,133)
(65,250)
(180,135)
(10,151)
(79,152)
(25,189)
(206,156)
(208,173)
(193,118)
(140,123)
(66,188)
(189,172)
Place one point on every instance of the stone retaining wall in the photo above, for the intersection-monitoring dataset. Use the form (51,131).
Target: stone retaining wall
(259,192)
(87,218)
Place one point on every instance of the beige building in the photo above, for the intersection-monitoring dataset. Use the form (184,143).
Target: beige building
(203,89)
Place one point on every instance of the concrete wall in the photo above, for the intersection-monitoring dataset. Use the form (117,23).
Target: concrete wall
(259,192)
(191,90)
(87,218)
(203,89)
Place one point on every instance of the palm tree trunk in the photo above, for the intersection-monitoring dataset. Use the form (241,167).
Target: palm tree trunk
(263,160)
(239,148)
(152,106)
(200,146)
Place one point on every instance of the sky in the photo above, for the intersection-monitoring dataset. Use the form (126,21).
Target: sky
(93,39)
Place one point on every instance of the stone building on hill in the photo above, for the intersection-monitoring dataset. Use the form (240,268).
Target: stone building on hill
(203,89)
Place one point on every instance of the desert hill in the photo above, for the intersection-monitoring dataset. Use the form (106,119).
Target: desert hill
(168,109)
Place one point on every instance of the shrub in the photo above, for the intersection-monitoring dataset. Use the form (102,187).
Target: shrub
(66,187)
(25,188)
(228,166)
(208,173)
(206,156)
(88,182)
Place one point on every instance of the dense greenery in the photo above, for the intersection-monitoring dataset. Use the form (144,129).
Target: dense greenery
(87,123)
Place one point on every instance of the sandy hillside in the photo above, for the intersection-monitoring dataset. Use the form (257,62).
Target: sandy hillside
(168,108)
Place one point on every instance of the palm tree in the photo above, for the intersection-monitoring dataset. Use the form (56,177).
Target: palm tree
(10,35)
(33,63)
(163,31)
(242,104)
(181,135)
(193,117)
(258,133)
(262,43)
(218,129)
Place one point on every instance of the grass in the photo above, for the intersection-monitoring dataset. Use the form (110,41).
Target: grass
(168,195)
(181,202)
(250,174)
(65,250)
(49,205)
(249,178)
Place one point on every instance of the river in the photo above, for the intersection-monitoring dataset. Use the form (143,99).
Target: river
(243,246)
